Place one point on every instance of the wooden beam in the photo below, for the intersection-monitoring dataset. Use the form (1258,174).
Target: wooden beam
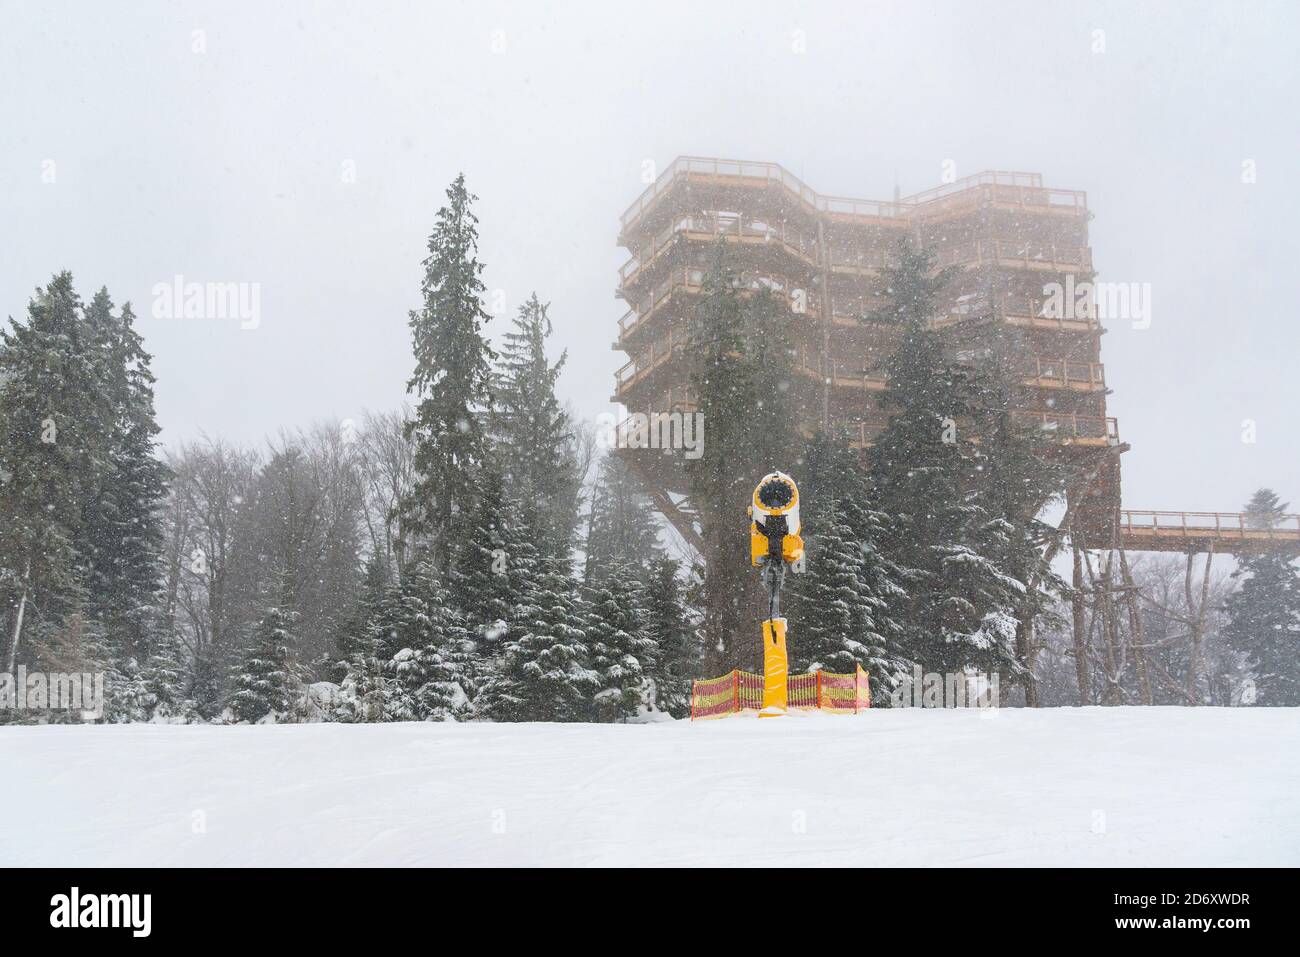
(1135,629)
(679,519)
(1080,640)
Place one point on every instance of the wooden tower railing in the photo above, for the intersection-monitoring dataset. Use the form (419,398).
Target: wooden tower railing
(1152,531)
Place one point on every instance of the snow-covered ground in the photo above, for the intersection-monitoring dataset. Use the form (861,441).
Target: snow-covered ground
(1093,786)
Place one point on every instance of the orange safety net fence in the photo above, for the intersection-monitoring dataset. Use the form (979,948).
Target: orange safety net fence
(743,691)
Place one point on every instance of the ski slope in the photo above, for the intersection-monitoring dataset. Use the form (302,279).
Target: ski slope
(1090,786)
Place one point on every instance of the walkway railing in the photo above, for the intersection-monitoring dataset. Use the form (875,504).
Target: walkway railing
(1027,255)
(1067,429)
(685,279)
(1025,189)
(1025,312)
(1066,373)
(768,173)
(720,226)
(1225,525)
(804,245)
(838,373)
(661,350)
(1068,425)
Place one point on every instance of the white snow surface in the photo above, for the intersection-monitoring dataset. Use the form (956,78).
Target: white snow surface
(1069,786)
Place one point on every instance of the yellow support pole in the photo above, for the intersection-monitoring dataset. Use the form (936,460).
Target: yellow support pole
(776,669)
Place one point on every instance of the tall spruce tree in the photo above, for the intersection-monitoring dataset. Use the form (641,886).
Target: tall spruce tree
(1264,613)
(544,673)
(725,394)
(534,434)
(622,651)
(769,355)
(1017,473)
(452,378)
(740,378)
(927,473)
(121,532)
(53,461)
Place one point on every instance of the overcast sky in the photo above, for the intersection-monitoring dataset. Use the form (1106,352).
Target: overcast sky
(306,147)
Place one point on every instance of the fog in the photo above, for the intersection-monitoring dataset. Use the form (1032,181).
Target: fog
(305,148)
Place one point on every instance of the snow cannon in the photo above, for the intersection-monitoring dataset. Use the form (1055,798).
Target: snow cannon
(774,527)
(774,544)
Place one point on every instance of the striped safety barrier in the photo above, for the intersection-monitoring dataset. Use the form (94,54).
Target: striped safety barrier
(743,691)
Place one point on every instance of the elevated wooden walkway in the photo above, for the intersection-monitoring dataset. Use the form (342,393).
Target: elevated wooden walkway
(1231,532)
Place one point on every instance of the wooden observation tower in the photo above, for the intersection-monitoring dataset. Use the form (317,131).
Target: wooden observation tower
(1007,234)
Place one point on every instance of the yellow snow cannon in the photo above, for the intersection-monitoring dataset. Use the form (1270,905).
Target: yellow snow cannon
(774,543)
(774,527)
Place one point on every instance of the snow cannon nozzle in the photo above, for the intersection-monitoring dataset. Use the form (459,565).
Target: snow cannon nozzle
(775,493)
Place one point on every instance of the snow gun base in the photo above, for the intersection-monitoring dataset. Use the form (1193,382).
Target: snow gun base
(776,669)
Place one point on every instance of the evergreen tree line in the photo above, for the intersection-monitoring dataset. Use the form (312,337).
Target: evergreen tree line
(474,556)
(81,493)
(418,565)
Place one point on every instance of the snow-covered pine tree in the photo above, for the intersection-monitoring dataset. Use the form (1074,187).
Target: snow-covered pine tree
(482,586)
(452,378)
(266,681)
(726,393)
(524,564)
(121,532)
(53,458)
(1264,613)
(424,644)
(544,673)
(621,529)
(156,689)
(363,687)
(100,524)
(771,438)
(619,643)
(1017,473)
(534,435)
(163,682)
(358,628)
(834,609)
(925,472)
(209,685)
(498,560)
(845,602)
(883,596)
(677,656)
